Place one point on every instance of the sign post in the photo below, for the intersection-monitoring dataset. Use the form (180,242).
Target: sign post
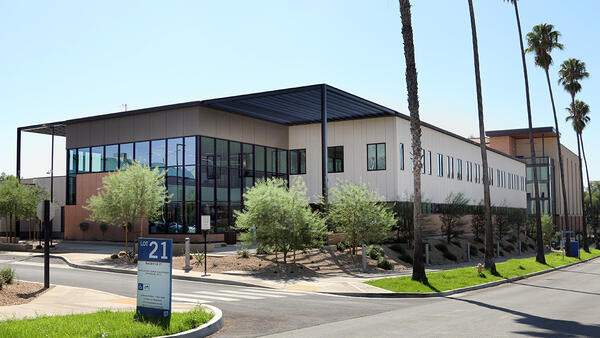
(205,226)
(155,261)
(45,213)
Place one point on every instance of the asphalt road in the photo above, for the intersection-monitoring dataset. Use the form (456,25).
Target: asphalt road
(562,303)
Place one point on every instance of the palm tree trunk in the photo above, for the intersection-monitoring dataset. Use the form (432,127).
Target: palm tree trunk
(539,257)
(489,260)
(562,172)
(586,248)
(418,273)
(587,174)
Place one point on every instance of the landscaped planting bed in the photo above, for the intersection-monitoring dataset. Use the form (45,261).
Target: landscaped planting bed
(101,324)
(464,277)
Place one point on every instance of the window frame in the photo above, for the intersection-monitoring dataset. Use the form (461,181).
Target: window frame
(376,145)
(335,150)
(298,161)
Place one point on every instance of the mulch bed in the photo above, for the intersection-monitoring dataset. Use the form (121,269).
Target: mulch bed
(20,293)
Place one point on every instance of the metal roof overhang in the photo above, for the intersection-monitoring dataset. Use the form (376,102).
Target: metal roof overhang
(60,128)
(523,132)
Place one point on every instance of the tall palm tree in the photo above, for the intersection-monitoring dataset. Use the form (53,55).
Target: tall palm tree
(578,116)
(571,71)
(489,261)
(538,211)
(541,41)
(418,273)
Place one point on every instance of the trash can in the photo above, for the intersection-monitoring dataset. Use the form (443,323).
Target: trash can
(231,237)
(575,248)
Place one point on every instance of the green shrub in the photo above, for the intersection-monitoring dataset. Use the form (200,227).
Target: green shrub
(122,253)
(223,244)
(341,246)
(375,252)
(243,253)
(441,247)
(384,264)
(7,275)
(84,226)
(450,256)
(114,256)
(199,257)
(473,250)
(103,227)
(264,250)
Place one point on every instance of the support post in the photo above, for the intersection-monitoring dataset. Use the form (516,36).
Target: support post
(427,254)
(468,252)
(18,222)
(187,266)
(497,249)
(205,252)
(46,244)
(324,142)
(52,183)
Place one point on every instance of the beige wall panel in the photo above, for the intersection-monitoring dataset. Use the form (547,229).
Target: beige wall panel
(158,125)
(174,120)
(223,125)
(141,127)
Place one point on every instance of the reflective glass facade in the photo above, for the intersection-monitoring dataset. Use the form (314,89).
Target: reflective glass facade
(545,174)
(203,175)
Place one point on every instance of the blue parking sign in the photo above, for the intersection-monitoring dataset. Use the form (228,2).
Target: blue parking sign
(155,261)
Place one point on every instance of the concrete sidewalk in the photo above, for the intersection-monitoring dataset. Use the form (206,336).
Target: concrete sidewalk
(65,300)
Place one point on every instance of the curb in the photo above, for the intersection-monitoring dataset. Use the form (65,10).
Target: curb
(134,272)
(212,326)
(455,291)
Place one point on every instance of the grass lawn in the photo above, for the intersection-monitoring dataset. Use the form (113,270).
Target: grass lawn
(101,324)
(463,277)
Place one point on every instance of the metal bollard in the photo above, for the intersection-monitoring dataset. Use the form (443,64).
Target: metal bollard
(427,254)
(468,252)
(364,258)
(187,254)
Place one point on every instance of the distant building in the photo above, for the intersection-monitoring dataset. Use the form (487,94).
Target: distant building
(515,142)
(213,150)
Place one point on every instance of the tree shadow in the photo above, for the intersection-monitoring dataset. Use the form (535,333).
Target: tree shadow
(555,327)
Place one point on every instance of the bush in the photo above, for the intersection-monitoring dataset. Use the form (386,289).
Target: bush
(375,252)
(341,246)
(7,275)
(84,226)
(199,257)
(473,250)
(384,264)
(223,244)
(452,211)
(122,253)
(512,239)
(264,250)
(114,256)
(243,253)
(450,256)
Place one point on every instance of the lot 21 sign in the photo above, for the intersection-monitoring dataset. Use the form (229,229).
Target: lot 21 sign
(155,261)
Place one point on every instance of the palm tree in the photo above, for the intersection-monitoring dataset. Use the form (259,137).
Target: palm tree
(578,116)
(541,41)
(538,212)
(489,261)
(418,273)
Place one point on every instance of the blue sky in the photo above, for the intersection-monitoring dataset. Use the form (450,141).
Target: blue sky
(67,59)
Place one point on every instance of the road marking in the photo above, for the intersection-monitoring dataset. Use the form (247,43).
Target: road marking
(188,300)
(243,295)
(262,294)
(287,293)
(207,294)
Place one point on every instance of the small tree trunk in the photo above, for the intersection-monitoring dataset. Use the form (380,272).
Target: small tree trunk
(585,234)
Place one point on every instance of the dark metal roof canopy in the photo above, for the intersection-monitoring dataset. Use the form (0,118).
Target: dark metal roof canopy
(301,105)
(523,132)
(60,129)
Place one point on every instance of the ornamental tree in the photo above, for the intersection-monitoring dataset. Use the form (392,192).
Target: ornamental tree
(280,217)
(18,201)
(136,193)
(360,214)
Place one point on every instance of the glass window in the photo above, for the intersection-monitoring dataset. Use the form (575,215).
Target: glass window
(190,150)
(221,218)
(401,156)
(142,153)
(335,159)
(282,158)
(71,190)
(111,157)
(222,152)
(159,151)
(173,217)
(72,159)
(97,159)
(498,182)
(222,183)
(271,160)
(376,156)
(83,160)
(175,183)
(440,165)
(422,161)
(235,185)
(125,155)
(207,183)
(235,154)
(248,183)
(189,218)
(175,151)
(459,169)
(298,161)
(189,176)
(429,161)
(247,157)
(259,153)
(207,149)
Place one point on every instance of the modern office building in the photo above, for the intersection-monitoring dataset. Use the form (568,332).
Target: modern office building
(213,150)
(515,142)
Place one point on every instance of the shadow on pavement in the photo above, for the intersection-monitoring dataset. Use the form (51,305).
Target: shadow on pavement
(559,289)
(554,327)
